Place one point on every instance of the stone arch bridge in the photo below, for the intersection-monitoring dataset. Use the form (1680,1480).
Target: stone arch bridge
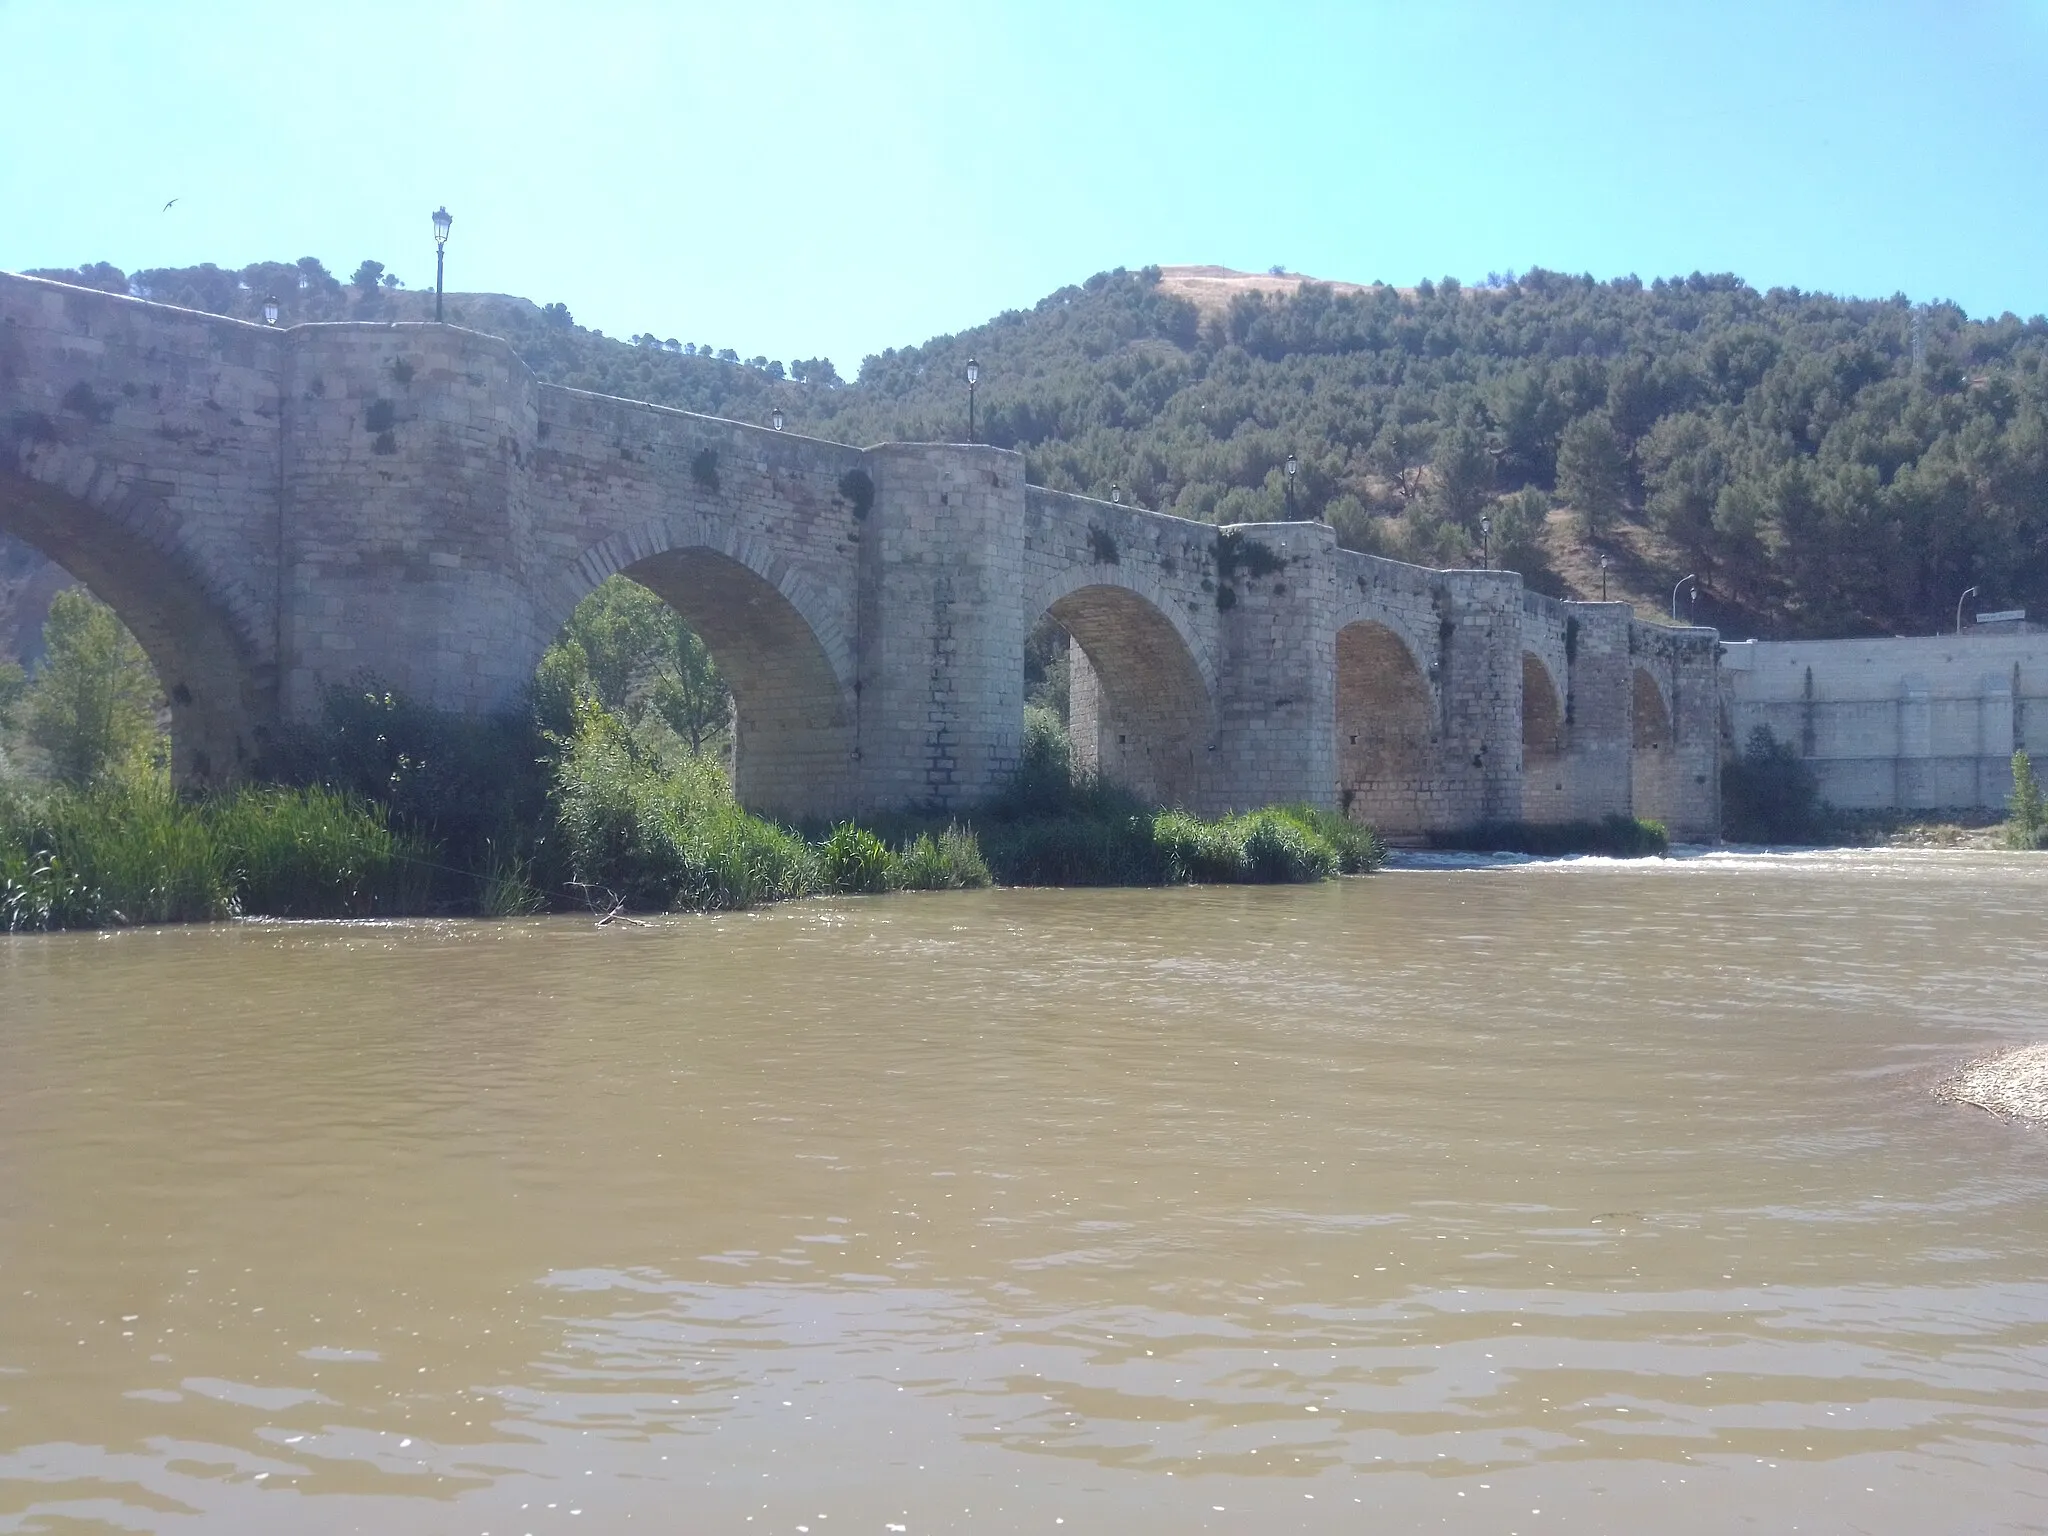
(278,511)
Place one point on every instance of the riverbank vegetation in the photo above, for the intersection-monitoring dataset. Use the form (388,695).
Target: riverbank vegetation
(610,792)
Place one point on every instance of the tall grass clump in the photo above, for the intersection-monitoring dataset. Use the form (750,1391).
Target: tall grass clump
(318,853)
(943,861)
(1356,845)
(116,853)
(857,862)
(129,852)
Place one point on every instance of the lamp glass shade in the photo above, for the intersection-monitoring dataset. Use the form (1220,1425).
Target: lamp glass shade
(443,219)
(775,418)
(1292,467)
(270,310)
(973,371)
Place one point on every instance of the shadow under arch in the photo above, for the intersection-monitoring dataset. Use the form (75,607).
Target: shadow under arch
(1544,795)
(222,694)
(1387,746)
(793,724)
(1139,706)
(1651,760)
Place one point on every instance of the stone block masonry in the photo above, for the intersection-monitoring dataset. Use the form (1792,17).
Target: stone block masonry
(1924,723)
(279,512)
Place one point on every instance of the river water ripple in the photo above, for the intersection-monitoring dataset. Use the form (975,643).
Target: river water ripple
(1575,1197)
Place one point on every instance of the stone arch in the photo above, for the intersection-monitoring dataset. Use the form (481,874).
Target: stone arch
(200,632)
(1652,762)
(1545,795)
(1387,743)
(1138,585)
(1140,708)
(794,722)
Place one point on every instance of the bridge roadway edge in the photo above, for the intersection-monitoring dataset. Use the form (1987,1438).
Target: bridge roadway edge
(280,511)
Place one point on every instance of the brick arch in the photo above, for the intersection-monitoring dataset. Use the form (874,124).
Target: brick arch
(206,634)
(790,668)
(1387,740)
(1142,710)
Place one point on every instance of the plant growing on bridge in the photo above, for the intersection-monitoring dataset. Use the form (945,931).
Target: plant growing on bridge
(858,487)
(2027,823)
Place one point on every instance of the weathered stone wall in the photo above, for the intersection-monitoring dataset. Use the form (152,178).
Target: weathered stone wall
(280,512)
(1922,723)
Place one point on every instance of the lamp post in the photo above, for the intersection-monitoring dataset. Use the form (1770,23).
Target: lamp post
(1968,593)
(1116,493)
(1293,469)
(1674,594)
(442,220)
(270,309)
(1485,542)
(775,418)
(973,378)
(1603,578)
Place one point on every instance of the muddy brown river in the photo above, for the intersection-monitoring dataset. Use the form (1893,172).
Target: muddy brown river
(1581,1197)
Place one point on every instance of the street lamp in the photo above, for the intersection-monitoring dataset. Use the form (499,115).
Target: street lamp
(442,220)
(1603,578)
(775,418)
(1293,469)
(270,309)
(1116,493)
(1968,593)
(1485,542)
(973,378)
(1674,594)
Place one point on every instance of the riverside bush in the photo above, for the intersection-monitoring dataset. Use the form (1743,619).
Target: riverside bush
(1770,794)
(1618,837)
(661,836)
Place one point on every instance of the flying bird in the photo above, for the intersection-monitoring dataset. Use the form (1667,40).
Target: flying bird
(167,206)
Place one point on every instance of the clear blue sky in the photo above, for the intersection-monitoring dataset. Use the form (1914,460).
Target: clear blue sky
(795,179)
